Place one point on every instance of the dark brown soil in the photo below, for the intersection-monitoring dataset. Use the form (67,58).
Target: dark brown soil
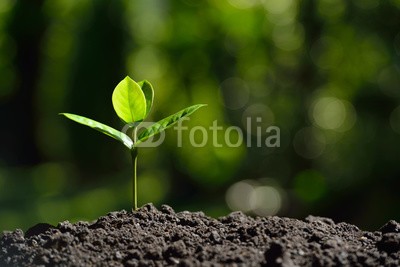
(151,237)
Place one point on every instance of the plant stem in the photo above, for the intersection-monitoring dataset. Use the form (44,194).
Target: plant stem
(134,154)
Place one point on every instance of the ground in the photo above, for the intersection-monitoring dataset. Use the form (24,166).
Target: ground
(151,237)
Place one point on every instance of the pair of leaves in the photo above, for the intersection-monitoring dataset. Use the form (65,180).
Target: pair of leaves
(132,102)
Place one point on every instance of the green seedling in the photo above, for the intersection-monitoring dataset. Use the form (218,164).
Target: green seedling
(132,102)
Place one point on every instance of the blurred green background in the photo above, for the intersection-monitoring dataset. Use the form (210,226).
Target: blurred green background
(325,72)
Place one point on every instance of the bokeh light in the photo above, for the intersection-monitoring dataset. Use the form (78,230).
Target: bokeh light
(265,200)
(331,113)
(255,196)
(238,195)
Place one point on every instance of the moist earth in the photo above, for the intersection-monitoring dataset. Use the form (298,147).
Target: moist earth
(151,237)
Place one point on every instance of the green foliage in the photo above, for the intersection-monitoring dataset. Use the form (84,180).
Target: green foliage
(148,92)
(132,102)
(166,123)
(129,101)
(120,136)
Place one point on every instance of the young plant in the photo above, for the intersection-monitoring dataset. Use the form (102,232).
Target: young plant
(132,102)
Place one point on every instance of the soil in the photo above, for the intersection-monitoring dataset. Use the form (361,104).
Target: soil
(151,237)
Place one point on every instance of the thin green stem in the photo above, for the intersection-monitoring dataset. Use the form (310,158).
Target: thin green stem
(134,155)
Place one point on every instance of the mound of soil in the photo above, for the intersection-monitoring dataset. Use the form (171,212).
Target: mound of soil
(151,237)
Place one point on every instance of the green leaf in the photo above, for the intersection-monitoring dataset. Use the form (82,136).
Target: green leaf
(148,92)
(120,136)
(129,101)
(169,121)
